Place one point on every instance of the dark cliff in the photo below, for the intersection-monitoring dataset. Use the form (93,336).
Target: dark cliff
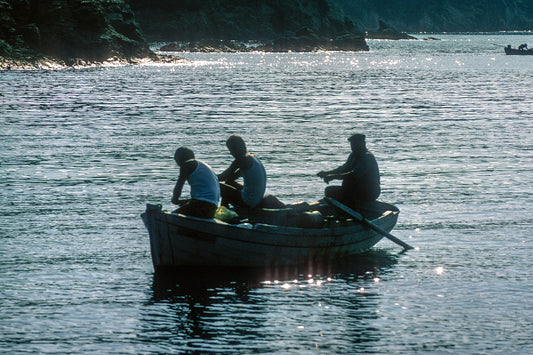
(70,30)
(442,15)
(185,20)
(295,24)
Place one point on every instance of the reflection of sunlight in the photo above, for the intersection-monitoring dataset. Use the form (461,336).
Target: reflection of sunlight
(290,284)
(439,270)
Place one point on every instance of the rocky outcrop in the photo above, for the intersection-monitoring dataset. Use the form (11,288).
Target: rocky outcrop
(386,31)
(70,32)
(302,41)
(297,25)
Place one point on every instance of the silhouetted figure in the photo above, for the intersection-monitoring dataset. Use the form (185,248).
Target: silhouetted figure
(205,190)
(522,46)
(359,175)
(250,192)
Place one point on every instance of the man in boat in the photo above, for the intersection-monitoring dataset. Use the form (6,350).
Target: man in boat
(359,175)
(205,190)
(522,47)
(250,193)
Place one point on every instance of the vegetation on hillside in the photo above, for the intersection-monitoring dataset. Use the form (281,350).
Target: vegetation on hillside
(442,15)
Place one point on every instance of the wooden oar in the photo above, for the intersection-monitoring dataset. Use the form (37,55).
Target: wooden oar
(368,223)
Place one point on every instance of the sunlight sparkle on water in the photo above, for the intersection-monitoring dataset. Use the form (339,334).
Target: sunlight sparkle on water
(439,270)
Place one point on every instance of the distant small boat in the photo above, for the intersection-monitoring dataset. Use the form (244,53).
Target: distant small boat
(177,240)
(515,51)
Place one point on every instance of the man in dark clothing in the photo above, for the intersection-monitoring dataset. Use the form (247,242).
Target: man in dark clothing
(359,175)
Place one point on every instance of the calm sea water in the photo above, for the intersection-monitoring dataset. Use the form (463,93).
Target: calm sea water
(450,122)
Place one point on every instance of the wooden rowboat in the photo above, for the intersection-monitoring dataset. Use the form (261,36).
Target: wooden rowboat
(514,51)
(177,240)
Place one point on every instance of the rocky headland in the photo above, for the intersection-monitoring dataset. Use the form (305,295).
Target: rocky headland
(270,25)
(79,33)
(53,33)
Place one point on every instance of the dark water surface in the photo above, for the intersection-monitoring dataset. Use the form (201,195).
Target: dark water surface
(450,122)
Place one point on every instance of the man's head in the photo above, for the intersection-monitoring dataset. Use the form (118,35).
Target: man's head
(182,155)
(357,142)
(236,146)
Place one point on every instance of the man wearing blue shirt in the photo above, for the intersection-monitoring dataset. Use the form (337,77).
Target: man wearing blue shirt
(205,190)
(250,193)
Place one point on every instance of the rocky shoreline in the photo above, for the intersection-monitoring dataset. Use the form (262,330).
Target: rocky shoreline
(302,41)
(54,34)
(387,32)
(50,63)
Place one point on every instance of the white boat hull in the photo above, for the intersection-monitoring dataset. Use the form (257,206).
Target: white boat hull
(178,240)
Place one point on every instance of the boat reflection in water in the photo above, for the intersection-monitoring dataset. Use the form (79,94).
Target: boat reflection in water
(330,307)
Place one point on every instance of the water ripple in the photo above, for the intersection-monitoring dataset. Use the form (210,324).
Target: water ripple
(83,151)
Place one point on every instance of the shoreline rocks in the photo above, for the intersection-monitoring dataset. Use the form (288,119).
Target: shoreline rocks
(386,31)
(54,33)
(49,63)
(302,41)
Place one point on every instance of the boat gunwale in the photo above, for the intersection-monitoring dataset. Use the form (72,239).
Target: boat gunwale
(279,229)
(180,221)
(353,229)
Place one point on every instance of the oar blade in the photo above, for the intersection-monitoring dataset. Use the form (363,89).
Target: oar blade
(365,221)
